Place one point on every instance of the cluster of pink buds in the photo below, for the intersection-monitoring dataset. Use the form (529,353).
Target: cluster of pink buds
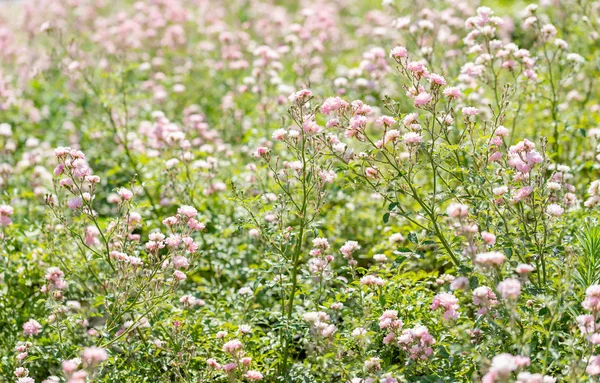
(523,157)
(485,298)
(389,321)
(463,226)
(558,185)
(186,215)
(320,262)
(310,126)
(449,303)
(240,363)
(593,367)
(372,281)
(319,323)
(91,235)
(490,259)
(417,342)
(337,110)
(72,372)
(594,194)
(191,301)
(528,377)
(126,260)
(503,366)
(180,243)
(78,178)
(496,143)
(482,41)
(348,249)
(411,136)
(588,323)
(374,62)
(5,212)
(509,289)
(21,372)
(334,106)
(301,97)
(91,357)
(31,327)
(56,284)
(358,120)
(415,71)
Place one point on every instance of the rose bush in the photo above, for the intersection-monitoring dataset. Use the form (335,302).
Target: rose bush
(340,191)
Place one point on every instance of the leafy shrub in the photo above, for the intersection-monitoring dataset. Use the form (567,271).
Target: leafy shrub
(203,191)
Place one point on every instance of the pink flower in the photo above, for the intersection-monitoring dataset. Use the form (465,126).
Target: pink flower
(75,203)
(261,151)
(398,52)
(187,211)
(412,138)
(386,120)
(6,210)
(592,298)
(371,280)
(437,79)
(423,98)
(495,157)
(180,262)
(300,95)
(502,366)
(452,92)
(91,234)
(459,283)
(389,319)
(418,69)
(470,111)
(213,363)
(31,327)
(410,119)
(524,268)
(125,194)
(21,372)
(348,248)
(522,193)
(70,366)
(501,131)
(391,135)
(333,104)
(509,288)
(586,323)
(593,367)
(94,355)
(417,342)
(555,210)
(457,210)
(488,238)
(449,303)
(229,367)
(484,297)
(253,375)
(279,134)
(372,172)
(179,275)
(233,347)
(493,258)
